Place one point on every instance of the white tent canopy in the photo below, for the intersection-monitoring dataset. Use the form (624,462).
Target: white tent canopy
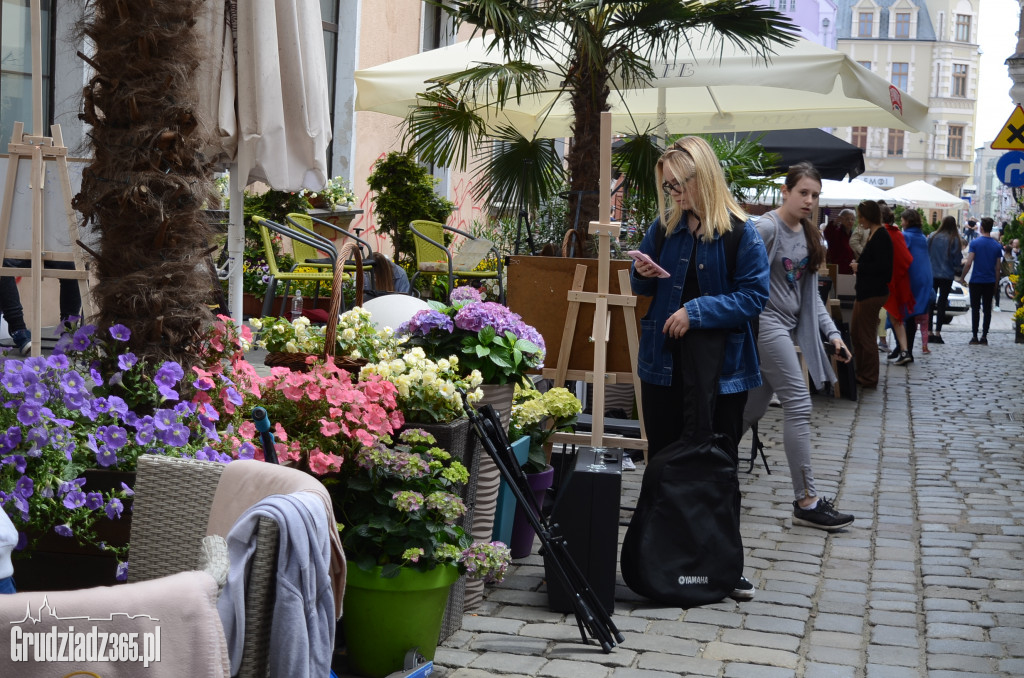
(703,89)
(922,194)
(838,194)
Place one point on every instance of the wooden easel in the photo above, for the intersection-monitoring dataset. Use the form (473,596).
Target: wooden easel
(602,301)
(40,149)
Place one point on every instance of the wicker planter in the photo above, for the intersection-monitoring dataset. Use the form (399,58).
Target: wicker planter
(457,439)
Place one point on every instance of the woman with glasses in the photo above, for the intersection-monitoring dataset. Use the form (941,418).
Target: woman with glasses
(717,279)
(796,317)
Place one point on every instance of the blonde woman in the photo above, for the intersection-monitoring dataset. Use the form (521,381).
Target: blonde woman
(717,280)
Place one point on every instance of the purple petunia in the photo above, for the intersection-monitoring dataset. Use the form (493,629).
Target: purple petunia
(176,436)
(120,332)
(93,501)
(113,437)
(74,499)
(29,413)
(169,374)
(126,361)
(122,572)
(73,382)
(24,487)
(164,419)
(63,530)
(80,341)
(113,508)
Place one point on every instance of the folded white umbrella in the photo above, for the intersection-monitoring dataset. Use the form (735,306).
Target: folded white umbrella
(922,194)
(702,89)
(267,103)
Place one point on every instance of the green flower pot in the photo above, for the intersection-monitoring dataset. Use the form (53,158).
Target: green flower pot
(385,618)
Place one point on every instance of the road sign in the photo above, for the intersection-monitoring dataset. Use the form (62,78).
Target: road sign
(1010,169)
(1011,137)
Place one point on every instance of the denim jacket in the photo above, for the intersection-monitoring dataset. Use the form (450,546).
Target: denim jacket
(944,263)
(723,304)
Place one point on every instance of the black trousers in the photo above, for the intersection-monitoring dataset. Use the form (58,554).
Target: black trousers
(942,286)
(981,296)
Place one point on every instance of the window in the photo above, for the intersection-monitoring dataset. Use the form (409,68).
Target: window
(16,77)
(900,75)
(792,5)
(963,28)
(902,25)
(865,64)
(865,21)
(859,137)
(955,142)
(959,86)
(895,147)
(771,3)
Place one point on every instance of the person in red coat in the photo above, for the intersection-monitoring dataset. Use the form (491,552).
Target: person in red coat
(901,299)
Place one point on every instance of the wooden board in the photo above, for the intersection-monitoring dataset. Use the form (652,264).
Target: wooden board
(538,289)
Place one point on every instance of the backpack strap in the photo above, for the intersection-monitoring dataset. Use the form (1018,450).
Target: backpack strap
(731,240)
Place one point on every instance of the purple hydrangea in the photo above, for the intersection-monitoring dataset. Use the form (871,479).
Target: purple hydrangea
(475,317)
(466,295)
(426,321)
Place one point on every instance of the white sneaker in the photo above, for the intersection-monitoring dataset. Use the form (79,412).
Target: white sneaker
(775,402)
(627,463)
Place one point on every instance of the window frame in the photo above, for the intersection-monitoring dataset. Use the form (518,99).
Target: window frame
(955,135)
(861,24)
(859,134)
(962,28)
(958,82)
(902,79)
(905,24)
(895,143)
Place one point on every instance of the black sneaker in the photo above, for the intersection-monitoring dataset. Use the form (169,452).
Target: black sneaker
(904,359)
(984,341)
(973,342)
(935,339)
(895,354)
(824,516)
(744,590)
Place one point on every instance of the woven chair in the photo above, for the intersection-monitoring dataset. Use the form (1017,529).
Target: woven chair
(163,544)
(276,274)
(433,258)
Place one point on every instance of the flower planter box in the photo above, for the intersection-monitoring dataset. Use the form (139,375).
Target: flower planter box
(60,564)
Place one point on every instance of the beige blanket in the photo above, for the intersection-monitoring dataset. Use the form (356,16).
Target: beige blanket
(167,627)
(246,482)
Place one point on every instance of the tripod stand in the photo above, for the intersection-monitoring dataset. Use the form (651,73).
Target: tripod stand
(522,214)
(591,617)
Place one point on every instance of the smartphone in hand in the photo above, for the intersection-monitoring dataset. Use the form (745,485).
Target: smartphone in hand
(639,256)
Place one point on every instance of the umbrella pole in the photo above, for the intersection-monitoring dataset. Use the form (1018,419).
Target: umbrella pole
(236,244)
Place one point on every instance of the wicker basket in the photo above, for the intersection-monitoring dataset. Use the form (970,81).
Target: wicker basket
(297,361)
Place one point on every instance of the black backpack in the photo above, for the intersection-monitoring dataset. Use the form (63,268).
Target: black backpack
(683,544)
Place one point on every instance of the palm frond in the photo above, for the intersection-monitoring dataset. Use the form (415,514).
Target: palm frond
(496,84)
(517,172)
(442,129)
(636,157)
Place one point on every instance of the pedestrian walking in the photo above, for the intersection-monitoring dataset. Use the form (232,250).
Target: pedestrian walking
(945,253)
(983,255)
(871,288)
(920,274)
(901,300)
(795,316)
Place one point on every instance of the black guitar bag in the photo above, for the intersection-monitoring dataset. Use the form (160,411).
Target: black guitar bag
(683,545)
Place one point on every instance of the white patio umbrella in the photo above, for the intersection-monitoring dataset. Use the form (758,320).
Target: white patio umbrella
(706,90)
(838,194)
(922,194)
(264,89)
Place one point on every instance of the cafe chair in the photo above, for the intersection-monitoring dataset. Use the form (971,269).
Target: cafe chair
(318,275)
(305,223)
(434,258)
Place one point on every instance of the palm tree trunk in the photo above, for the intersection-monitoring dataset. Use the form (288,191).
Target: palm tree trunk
(143,192)
(589,100)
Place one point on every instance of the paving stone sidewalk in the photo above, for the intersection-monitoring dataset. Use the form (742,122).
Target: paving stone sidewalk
(927,582)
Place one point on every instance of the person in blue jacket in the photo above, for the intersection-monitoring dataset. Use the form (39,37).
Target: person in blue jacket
(705,295)
(921,280)
(718,279)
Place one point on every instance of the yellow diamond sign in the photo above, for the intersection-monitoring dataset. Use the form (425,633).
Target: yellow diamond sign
(1011,137)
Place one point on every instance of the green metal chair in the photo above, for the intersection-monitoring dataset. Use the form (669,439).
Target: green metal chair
(433,258)
(276,274)
(310,256)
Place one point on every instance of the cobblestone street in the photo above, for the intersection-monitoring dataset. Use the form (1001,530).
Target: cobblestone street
(926,582)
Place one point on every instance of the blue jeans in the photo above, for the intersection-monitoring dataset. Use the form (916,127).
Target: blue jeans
(10,299)
(7,585)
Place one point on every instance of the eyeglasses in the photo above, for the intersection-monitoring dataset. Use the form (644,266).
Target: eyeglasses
(675,186)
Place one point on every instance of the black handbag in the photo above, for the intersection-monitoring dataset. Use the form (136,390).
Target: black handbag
(683,544)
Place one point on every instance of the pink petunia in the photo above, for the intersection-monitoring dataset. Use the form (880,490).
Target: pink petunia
(329,427)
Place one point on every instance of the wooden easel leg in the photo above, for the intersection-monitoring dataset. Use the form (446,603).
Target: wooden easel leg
(633,342)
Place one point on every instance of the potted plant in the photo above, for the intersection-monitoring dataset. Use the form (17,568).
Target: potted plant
(74,423)
(538,416)
(336,195)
